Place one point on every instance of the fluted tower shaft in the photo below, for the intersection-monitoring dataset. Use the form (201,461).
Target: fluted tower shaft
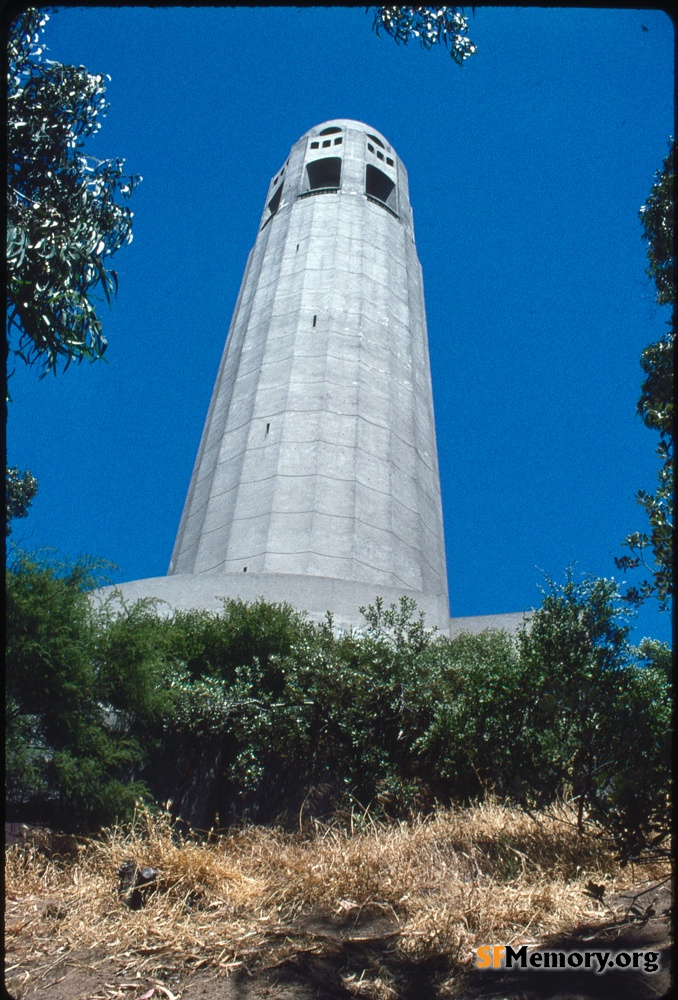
(317,471)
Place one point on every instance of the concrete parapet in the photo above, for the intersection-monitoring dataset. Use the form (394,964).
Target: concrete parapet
(475,624)
(315,595)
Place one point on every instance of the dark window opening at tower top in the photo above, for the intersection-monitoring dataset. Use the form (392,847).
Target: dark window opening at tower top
(324,173)
(374,139)
(379,186)
(274,203)
(330,130)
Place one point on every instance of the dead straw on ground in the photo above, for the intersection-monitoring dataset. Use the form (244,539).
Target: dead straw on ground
(436,886)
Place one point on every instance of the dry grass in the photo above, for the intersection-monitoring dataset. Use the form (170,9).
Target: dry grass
(435,886)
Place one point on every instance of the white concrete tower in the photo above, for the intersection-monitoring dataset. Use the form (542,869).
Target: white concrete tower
(317,473)
(316,480)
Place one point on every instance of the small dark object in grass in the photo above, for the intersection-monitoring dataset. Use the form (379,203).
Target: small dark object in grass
(594,890)
(135,884)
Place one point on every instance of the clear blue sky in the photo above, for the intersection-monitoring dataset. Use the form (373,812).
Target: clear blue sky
(527,169)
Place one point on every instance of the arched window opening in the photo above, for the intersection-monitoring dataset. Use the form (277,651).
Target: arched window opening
(274,203)
(324,173)
(375,139)
(380,187)
(330,130)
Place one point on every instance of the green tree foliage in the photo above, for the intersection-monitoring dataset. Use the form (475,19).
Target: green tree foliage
(477,738)
(64,762)
(20,490)
(657,217)
(655,405)
(599,720)
(133,664)
(429,26)
(63,220)
(256,713)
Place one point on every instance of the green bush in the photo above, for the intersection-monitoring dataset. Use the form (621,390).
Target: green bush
(476,739)
(256,713)
(64,764)
(599,719)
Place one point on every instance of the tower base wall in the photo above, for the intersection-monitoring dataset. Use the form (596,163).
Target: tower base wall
(314,594)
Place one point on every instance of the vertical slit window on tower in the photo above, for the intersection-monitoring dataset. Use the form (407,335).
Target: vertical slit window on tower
(314,319)
(244,569)
(268,427)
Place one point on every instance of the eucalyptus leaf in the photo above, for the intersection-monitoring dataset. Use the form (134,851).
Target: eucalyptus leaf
(54,186)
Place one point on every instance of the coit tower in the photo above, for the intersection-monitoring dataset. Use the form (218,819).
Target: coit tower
(316,480)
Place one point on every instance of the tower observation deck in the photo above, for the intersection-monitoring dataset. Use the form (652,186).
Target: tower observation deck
(316,480)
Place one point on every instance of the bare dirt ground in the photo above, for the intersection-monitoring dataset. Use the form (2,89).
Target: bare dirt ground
(386,913)
(333,961)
